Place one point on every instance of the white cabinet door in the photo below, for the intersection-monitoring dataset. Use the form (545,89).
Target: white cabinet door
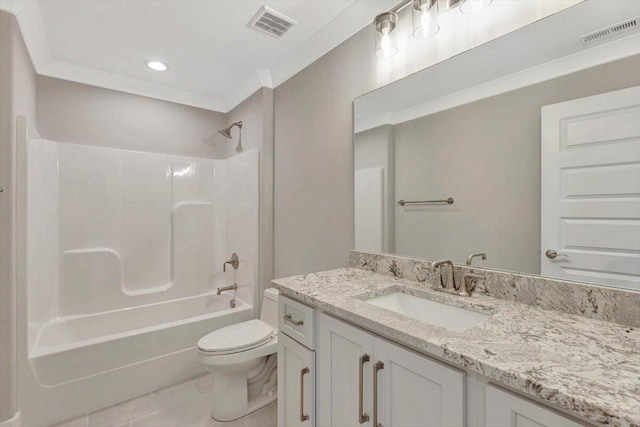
(590,187)
(296,383)
(416,391)
(503,409)
(340,349)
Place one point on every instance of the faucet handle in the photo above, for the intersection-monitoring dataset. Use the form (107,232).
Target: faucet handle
(450,277)
(234,261)
(464,288)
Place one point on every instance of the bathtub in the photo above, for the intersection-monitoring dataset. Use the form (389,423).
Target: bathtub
(76,361)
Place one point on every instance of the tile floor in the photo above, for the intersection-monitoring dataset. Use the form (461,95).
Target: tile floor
(183,405)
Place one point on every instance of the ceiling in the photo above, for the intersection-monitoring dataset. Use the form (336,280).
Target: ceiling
(216,60)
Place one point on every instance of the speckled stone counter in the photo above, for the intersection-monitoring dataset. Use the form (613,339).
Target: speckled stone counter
(590,368)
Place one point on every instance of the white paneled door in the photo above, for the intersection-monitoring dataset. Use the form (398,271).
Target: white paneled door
(590,224)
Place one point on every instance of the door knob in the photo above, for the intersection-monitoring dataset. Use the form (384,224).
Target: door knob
(552,254)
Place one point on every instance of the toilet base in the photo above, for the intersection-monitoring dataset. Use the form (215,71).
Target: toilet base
(253,406)
(244,392)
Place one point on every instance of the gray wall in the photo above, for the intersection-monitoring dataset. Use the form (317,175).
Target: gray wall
(257,116)
(486,155)
(17,97)
(372,148)
(313,223)
(83,114)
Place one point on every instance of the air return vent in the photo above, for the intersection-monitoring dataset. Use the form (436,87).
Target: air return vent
(627,25)
(272,22)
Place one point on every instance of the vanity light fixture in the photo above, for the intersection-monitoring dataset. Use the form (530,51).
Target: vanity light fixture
(474,6)
(425,16)
(156,65)
(385,23)
(425,21)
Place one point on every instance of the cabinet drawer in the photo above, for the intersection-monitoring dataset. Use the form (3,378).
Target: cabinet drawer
(297,321)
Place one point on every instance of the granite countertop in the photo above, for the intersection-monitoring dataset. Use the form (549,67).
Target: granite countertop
(587,367)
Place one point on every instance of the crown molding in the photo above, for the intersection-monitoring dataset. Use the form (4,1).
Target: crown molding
(29,19)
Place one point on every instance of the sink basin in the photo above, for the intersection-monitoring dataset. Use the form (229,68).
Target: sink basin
(436,313)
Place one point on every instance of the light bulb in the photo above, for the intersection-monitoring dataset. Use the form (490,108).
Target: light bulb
(474,6)
(425,13)
(157,65)
(386,46)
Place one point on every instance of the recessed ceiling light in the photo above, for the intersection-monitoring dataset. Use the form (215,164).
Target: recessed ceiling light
(157,65)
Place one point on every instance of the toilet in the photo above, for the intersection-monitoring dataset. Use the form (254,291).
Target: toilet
(242,360)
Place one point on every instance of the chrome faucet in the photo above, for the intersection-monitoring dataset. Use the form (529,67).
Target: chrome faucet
(233,287)
(234,261)
(472,256)
(443,286)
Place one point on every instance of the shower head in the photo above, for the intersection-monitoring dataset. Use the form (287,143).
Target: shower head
(226,132)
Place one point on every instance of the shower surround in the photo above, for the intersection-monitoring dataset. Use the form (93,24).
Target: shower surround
(124,252)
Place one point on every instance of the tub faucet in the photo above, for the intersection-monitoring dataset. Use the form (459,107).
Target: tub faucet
(233,287)
(443,286)
(234,261)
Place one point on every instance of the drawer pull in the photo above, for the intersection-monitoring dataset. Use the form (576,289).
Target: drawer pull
(363,418)
(376,368)
(303,417)
(289,319)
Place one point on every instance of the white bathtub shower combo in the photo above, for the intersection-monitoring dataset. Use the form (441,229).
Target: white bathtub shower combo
(124,253)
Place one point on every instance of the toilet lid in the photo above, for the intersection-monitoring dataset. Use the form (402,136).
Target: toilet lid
(238,337)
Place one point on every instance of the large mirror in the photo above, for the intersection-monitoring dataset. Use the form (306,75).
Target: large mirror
(526,149)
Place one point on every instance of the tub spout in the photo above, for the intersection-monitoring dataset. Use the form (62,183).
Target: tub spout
(233,287)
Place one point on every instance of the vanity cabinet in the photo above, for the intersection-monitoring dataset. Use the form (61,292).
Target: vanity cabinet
(296,384)
(505,409)
(296,364)
(363,379)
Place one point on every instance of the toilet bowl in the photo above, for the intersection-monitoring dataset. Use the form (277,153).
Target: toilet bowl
(242,360)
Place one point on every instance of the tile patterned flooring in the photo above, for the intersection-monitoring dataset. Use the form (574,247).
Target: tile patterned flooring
(183,405)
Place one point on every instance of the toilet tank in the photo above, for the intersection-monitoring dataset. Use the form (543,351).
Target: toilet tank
(269,313)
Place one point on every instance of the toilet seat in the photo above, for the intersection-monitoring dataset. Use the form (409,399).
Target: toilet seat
(237,338)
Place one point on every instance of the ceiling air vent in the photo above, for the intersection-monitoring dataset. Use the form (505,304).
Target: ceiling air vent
(627,25)
(272,22)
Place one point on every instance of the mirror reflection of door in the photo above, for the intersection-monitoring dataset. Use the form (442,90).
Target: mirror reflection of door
(590,181)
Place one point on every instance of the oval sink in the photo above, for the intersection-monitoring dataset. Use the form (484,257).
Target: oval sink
(436,313)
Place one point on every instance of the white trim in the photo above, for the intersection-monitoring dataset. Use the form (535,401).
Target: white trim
(602,54)
(29,19)
(333,34)
(247,87)
(13,421)
(90,76)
